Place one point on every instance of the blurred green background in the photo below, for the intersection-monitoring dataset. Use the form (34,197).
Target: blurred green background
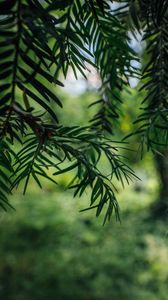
(51,251)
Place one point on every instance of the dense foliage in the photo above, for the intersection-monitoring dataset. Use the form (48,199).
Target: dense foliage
(50,251)
(40,41)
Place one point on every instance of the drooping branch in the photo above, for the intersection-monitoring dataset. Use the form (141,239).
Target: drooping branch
(153,121)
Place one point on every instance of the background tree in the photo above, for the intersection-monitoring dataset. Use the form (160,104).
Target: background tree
(41,40)
(153,121)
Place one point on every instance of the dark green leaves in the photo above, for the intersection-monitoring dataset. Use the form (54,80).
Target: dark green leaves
(38,41)
(109,40)
(5,171)
(152,123)
(5,7)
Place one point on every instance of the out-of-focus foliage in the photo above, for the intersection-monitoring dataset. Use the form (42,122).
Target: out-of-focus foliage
(50,251)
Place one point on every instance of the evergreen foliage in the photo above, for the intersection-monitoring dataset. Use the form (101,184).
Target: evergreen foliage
(40,40)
